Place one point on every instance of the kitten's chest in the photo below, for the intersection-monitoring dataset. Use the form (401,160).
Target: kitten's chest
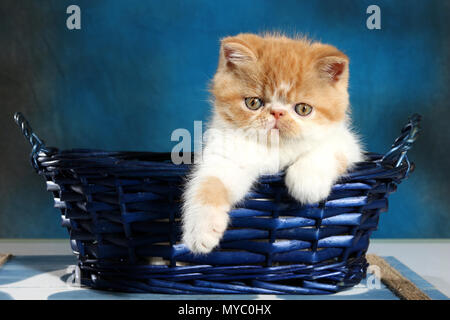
(273,160)
(265,158)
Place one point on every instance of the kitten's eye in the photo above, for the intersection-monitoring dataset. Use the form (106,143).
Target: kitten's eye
(303,109)
(253,103)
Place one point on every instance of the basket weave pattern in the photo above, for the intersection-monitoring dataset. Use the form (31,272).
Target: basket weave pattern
(122,211)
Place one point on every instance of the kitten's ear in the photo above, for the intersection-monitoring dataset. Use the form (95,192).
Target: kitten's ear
(333,68)
(236,51)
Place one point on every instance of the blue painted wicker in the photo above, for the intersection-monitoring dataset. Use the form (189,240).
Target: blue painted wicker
(122,208)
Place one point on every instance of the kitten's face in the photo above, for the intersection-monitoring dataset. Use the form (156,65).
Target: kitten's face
(273,82)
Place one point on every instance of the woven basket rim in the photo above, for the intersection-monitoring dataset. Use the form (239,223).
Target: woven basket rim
(55,159)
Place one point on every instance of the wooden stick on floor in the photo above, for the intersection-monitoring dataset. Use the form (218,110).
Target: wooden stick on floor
(4,258)
(398,284)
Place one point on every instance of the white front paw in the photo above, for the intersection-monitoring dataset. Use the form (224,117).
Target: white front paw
(308,186)
(203,227)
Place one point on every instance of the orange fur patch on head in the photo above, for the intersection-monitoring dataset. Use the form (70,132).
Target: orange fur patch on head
(212,192)
(276,69)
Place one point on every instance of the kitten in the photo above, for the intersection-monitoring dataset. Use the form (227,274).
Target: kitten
(273,84)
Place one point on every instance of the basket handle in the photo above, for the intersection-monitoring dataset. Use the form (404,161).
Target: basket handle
(397,154)
(37,144)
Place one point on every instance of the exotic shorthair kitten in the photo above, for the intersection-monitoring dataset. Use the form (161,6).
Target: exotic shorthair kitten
(271,84)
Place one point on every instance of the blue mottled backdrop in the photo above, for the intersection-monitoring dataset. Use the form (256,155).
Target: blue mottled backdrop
(137,70)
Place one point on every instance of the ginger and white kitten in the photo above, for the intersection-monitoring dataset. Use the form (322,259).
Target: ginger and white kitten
(273,84)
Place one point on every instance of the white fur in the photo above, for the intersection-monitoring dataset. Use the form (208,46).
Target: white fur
(237,160)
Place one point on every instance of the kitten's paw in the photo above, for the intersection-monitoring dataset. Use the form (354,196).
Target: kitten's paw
(308,187)
(204,227)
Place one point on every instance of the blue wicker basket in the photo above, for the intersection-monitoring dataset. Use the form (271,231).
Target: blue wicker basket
(122,211)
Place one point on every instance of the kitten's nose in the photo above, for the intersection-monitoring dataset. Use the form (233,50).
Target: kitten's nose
(277,113)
